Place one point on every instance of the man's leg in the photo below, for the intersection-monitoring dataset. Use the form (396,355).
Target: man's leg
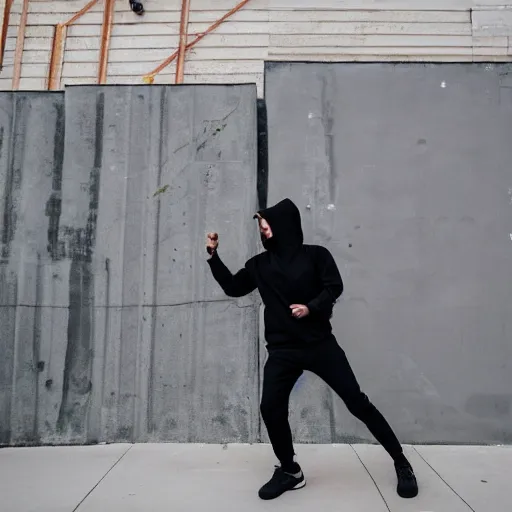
(330,363)
(279,377)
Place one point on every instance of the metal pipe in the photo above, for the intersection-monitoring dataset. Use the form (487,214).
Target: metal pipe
(5,28)
(81,12)
(57,57)
(108,18)
(150,77)
(20,43)
(180,67)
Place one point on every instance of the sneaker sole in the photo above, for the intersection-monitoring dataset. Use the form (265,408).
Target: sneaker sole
(409,495)
(300,485)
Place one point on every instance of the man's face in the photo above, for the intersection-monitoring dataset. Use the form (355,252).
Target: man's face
(265,229)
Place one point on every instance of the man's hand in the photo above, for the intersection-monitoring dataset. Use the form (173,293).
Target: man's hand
(299,310)
(212,242)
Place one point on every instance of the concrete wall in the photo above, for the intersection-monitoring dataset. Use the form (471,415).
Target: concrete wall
(112,326)
(404,172)
(304,30)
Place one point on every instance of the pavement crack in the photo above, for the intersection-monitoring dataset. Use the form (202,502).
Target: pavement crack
(102,478)
(444,481)
(373,479)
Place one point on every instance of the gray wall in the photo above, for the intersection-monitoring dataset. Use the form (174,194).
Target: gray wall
(112,328)
(407,170)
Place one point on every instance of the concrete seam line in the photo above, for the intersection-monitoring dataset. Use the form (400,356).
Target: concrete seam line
(444,481)
(102,478)
(373,479)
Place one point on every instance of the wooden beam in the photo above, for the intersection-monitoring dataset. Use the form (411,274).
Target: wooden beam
(20,43)
(81,12)
(180,66)
(57,57)
(149,78)
(5,28)
(108,19)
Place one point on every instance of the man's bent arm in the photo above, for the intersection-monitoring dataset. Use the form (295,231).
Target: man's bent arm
(236,285)
(331,280)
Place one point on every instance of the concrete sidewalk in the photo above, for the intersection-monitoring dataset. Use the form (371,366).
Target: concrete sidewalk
(190,478)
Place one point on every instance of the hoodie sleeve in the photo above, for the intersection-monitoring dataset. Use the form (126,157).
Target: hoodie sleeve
(331,280)
(236,285)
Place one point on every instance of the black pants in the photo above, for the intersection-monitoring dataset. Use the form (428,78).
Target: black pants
(329,362)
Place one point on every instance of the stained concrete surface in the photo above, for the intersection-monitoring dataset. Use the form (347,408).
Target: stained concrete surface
(403,172)
(188,477)
(113,328)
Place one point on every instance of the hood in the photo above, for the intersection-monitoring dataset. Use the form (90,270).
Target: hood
(284,219)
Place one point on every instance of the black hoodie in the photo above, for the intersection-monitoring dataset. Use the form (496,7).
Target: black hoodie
(287,273)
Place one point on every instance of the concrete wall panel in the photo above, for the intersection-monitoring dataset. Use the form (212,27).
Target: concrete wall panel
(31,154)
(406,171)
(116,330)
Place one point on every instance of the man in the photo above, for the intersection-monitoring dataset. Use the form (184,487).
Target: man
(299,285)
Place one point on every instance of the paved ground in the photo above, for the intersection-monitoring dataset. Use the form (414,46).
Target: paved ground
(190,478)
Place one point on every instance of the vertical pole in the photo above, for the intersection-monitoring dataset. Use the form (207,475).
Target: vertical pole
(57,57)
(108,18)
(180,67)
(20,44)
(5,28)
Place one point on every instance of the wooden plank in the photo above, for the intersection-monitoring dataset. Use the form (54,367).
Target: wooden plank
(324,27)
(491,58)
(5,84)
(490,41)
(257,78)
(57,57)
(40,31)
(169,78)
(32,84)
(168,42)
(27,71)
(489,3)
(372,5)
(481,51)
(492,23)
(375,58)
(375,50)
(29,57)
(371,16)
(20,45)
(6,75)
(370,40)
(152,55)
(228,67)
(157,29)
(128,18)
(31,43)
(72,6)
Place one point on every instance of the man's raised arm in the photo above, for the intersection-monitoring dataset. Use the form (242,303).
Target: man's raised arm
(236,285)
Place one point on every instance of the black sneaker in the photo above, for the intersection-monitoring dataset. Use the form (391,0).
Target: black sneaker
(280,483)
(407,486)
